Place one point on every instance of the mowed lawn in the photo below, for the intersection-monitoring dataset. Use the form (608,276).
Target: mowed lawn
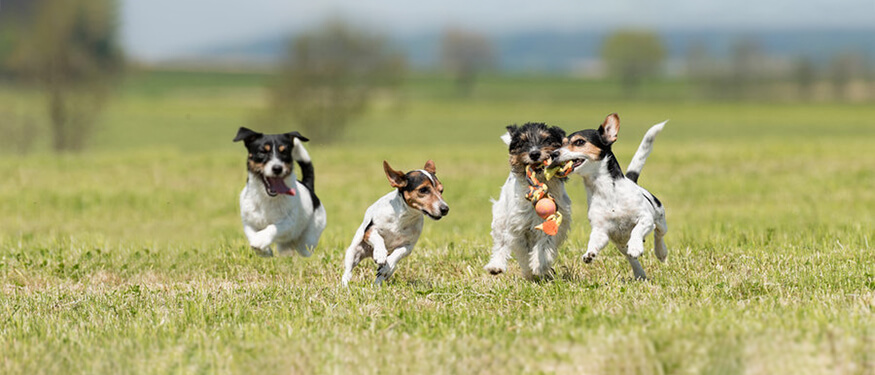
(130,258)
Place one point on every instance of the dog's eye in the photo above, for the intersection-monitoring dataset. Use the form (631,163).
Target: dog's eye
(579,142)
(423,190)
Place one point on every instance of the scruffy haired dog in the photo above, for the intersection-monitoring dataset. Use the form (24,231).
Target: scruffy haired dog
(618,209)
(392,224)
(274,206)
(513,217)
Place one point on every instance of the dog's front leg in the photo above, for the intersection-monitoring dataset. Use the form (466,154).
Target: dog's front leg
(636,237)
(598,239)
(386,270)
(260,240)
(379,245)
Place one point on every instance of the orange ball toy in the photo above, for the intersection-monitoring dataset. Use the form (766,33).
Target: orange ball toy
(545,207)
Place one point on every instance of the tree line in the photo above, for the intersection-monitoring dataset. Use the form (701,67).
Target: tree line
(69,51)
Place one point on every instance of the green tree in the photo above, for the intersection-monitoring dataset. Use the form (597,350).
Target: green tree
(328,78)
(69,50)
(632,56)
(805,75)
(465,54)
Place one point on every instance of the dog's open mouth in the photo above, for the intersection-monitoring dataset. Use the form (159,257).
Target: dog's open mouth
(275,185)
(430,215)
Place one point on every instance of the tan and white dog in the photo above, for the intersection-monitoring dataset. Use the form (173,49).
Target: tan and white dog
(392,225)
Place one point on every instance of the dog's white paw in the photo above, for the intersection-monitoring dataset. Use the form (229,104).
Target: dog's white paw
(635,250)
(263,238)
(495,267)
(589,256)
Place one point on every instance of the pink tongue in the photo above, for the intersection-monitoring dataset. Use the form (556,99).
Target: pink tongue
(279,186)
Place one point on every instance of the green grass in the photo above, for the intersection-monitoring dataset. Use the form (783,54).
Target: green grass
(130,258)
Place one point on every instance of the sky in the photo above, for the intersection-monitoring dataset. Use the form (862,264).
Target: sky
(153,30)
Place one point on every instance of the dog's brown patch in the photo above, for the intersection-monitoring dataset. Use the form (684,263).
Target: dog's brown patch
(282,148)
(579,144)
(267,148)
(254,167)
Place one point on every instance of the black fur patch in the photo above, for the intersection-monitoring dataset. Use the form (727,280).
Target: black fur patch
(415,179)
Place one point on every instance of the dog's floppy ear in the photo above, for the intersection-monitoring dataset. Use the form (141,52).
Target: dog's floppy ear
(295,134)
(609,129)
(506,137)
(246,135)
(396,178)
(429,167)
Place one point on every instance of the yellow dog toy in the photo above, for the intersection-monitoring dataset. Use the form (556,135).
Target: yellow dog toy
(544,203)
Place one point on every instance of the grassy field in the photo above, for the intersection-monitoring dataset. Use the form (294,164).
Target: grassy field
(130,258)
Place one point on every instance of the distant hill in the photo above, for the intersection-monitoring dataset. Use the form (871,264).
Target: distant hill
(563,52)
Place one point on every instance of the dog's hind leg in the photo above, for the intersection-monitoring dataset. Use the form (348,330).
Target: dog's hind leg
(354,255)
(310,238)
(542,256)
(637,270)
(658,239)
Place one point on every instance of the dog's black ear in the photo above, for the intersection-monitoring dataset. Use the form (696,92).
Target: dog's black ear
(512,129)
(246,135)
(609,129)
(396,178)
(295,134)
(557,132)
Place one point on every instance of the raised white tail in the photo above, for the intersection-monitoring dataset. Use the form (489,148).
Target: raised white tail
(637,163)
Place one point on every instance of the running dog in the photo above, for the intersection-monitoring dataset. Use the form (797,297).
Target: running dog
(275,207)
(513,217)
(392,224)
(619,210)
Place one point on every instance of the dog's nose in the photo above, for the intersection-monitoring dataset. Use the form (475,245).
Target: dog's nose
(277,169)
(554,154)
(445,210)
(535,155)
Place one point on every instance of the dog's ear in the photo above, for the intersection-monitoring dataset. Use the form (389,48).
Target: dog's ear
(429,167)
(295,134)
(246,135)
(506,137)
(396,178)
(557,132)
(609,129)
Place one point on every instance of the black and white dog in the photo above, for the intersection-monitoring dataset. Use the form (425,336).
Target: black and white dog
(274,205)
(619,210)
(513,217)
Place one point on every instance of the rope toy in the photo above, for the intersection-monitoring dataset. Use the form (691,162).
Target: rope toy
(545,205)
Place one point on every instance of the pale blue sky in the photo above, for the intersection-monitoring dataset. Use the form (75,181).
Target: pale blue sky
(156,29)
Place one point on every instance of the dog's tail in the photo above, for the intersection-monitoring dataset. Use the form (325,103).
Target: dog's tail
(637,163)
(308,177)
